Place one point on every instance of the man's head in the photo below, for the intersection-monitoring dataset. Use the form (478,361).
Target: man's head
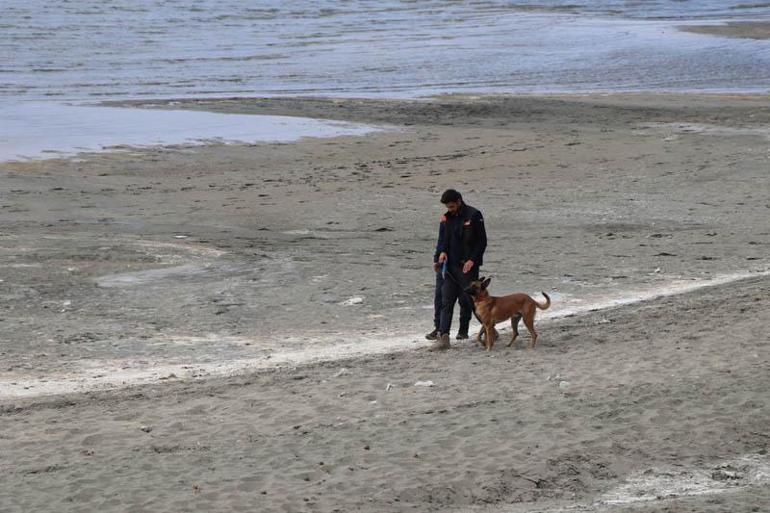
(453,200)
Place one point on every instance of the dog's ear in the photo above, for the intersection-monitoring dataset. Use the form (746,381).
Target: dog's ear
(485,283)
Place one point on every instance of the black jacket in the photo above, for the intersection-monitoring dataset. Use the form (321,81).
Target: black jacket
(462,236)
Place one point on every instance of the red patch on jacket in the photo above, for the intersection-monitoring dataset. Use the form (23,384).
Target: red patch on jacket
(443,218)
(467,223)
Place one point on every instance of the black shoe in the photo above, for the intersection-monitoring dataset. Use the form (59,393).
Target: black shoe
(433,335)
(461,335)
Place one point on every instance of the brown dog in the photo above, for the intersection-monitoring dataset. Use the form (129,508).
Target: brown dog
(491,310)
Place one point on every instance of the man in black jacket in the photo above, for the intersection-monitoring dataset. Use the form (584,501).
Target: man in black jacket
(461,245)
(466,310)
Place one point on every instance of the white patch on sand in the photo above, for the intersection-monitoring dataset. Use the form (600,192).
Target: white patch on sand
(673,130)
(149,276)
(111,374)
(108,374)
(572,305)
(307,233)
(664,485)
(169,253)
(671,483)
(175,247)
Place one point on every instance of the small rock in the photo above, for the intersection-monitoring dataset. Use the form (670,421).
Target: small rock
(341,372)
(424,384)
(352,301)
(146,429)
(563,385)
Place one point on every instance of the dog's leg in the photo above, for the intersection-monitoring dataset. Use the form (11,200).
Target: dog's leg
(529,322)
(490,338)
(515,328)
(494,333)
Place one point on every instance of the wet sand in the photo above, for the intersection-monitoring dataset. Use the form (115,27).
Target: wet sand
(745,30)
(187,266)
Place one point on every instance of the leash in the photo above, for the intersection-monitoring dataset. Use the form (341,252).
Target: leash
(444,273)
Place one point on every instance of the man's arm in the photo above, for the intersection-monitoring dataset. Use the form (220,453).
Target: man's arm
(481,237)
(441,244)
(440,241)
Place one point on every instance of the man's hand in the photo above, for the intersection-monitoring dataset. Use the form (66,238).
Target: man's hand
(442,258)
(468,266)
(435,267)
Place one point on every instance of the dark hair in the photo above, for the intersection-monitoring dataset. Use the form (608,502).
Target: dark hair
(450,195)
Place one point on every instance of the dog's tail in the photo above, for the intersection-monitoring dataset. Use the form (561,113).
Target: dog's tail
(544,306)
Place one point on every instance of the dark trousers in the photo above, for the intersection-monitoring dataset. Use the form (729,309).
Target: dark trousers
(465,312)
(453,290)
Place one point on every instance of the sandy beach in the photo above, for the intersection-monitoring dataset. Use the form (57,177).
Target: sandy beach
(240,327)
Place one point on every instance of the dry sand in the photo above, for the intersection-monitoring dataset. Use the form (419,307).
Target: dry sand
(178,266)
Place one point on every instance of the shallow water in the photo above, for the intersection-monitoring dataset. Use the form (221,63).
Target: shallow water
(116,49)
(81,51)
(40,130)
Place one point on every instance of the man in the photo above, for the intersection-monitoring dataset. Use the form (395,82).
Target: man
(465,312)
(461,245)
